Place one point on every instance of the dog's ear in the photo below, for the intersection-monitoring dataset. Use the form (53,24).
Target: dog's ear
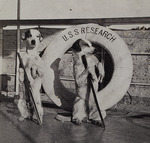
(40,38)
(26,35)
(76,46)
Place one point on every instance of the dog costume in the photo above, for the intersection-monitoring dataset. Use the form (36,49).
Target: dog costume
(34,69)
(85,64)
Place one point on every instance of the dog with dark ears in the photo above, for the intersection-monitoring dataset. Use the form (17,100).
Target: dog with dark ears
(38,73)
(34,69)
(86,64)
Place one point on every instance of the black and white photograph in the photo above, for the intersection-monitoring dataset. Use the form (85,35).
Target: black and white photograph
(74,71)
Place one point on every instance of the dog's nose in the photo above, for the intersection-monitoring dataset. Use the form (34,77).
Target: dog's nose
(33,42)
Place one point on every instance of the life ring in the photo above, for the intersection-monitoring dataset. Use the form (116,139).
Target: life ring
(116,47)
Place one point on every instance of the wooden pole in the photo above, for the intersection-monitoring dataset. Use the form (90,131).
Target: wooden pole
(1,47)
(96,102)
(17,49)
(103,63)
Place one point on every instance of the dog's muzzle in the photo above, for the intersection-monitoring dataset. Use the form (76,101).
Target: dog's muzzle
(33,42)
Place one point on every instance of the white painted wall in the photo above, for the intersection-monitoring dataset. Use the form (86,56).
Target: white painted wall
(55,9)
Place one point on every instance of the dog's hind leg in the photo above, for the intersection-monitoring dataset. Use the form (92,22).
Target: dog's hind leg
(94,115)
(79,114)
(21,102)
(79,111)
(23,110)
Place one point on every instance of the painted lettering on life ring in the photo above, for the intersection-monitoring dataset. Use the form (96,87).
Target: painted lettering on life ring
(87,30)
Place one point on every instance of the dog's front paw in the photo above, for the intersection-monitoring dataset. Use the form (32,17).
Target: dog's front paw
(85,120)
(41,74)
(34,76)
(34,71)
(20,119)
(96,122)
(76,121)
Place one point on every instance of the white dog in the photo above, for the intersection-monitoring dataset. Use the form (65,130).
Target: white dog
(86,63)
(37,72)
(34,69)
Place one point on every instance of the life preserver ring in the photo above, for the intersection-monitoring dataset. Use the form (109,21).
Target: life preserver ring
(113,43)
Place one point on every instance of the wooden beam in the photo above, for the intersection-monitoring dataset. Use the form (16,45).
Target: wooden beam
(101,21)
(17,50)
